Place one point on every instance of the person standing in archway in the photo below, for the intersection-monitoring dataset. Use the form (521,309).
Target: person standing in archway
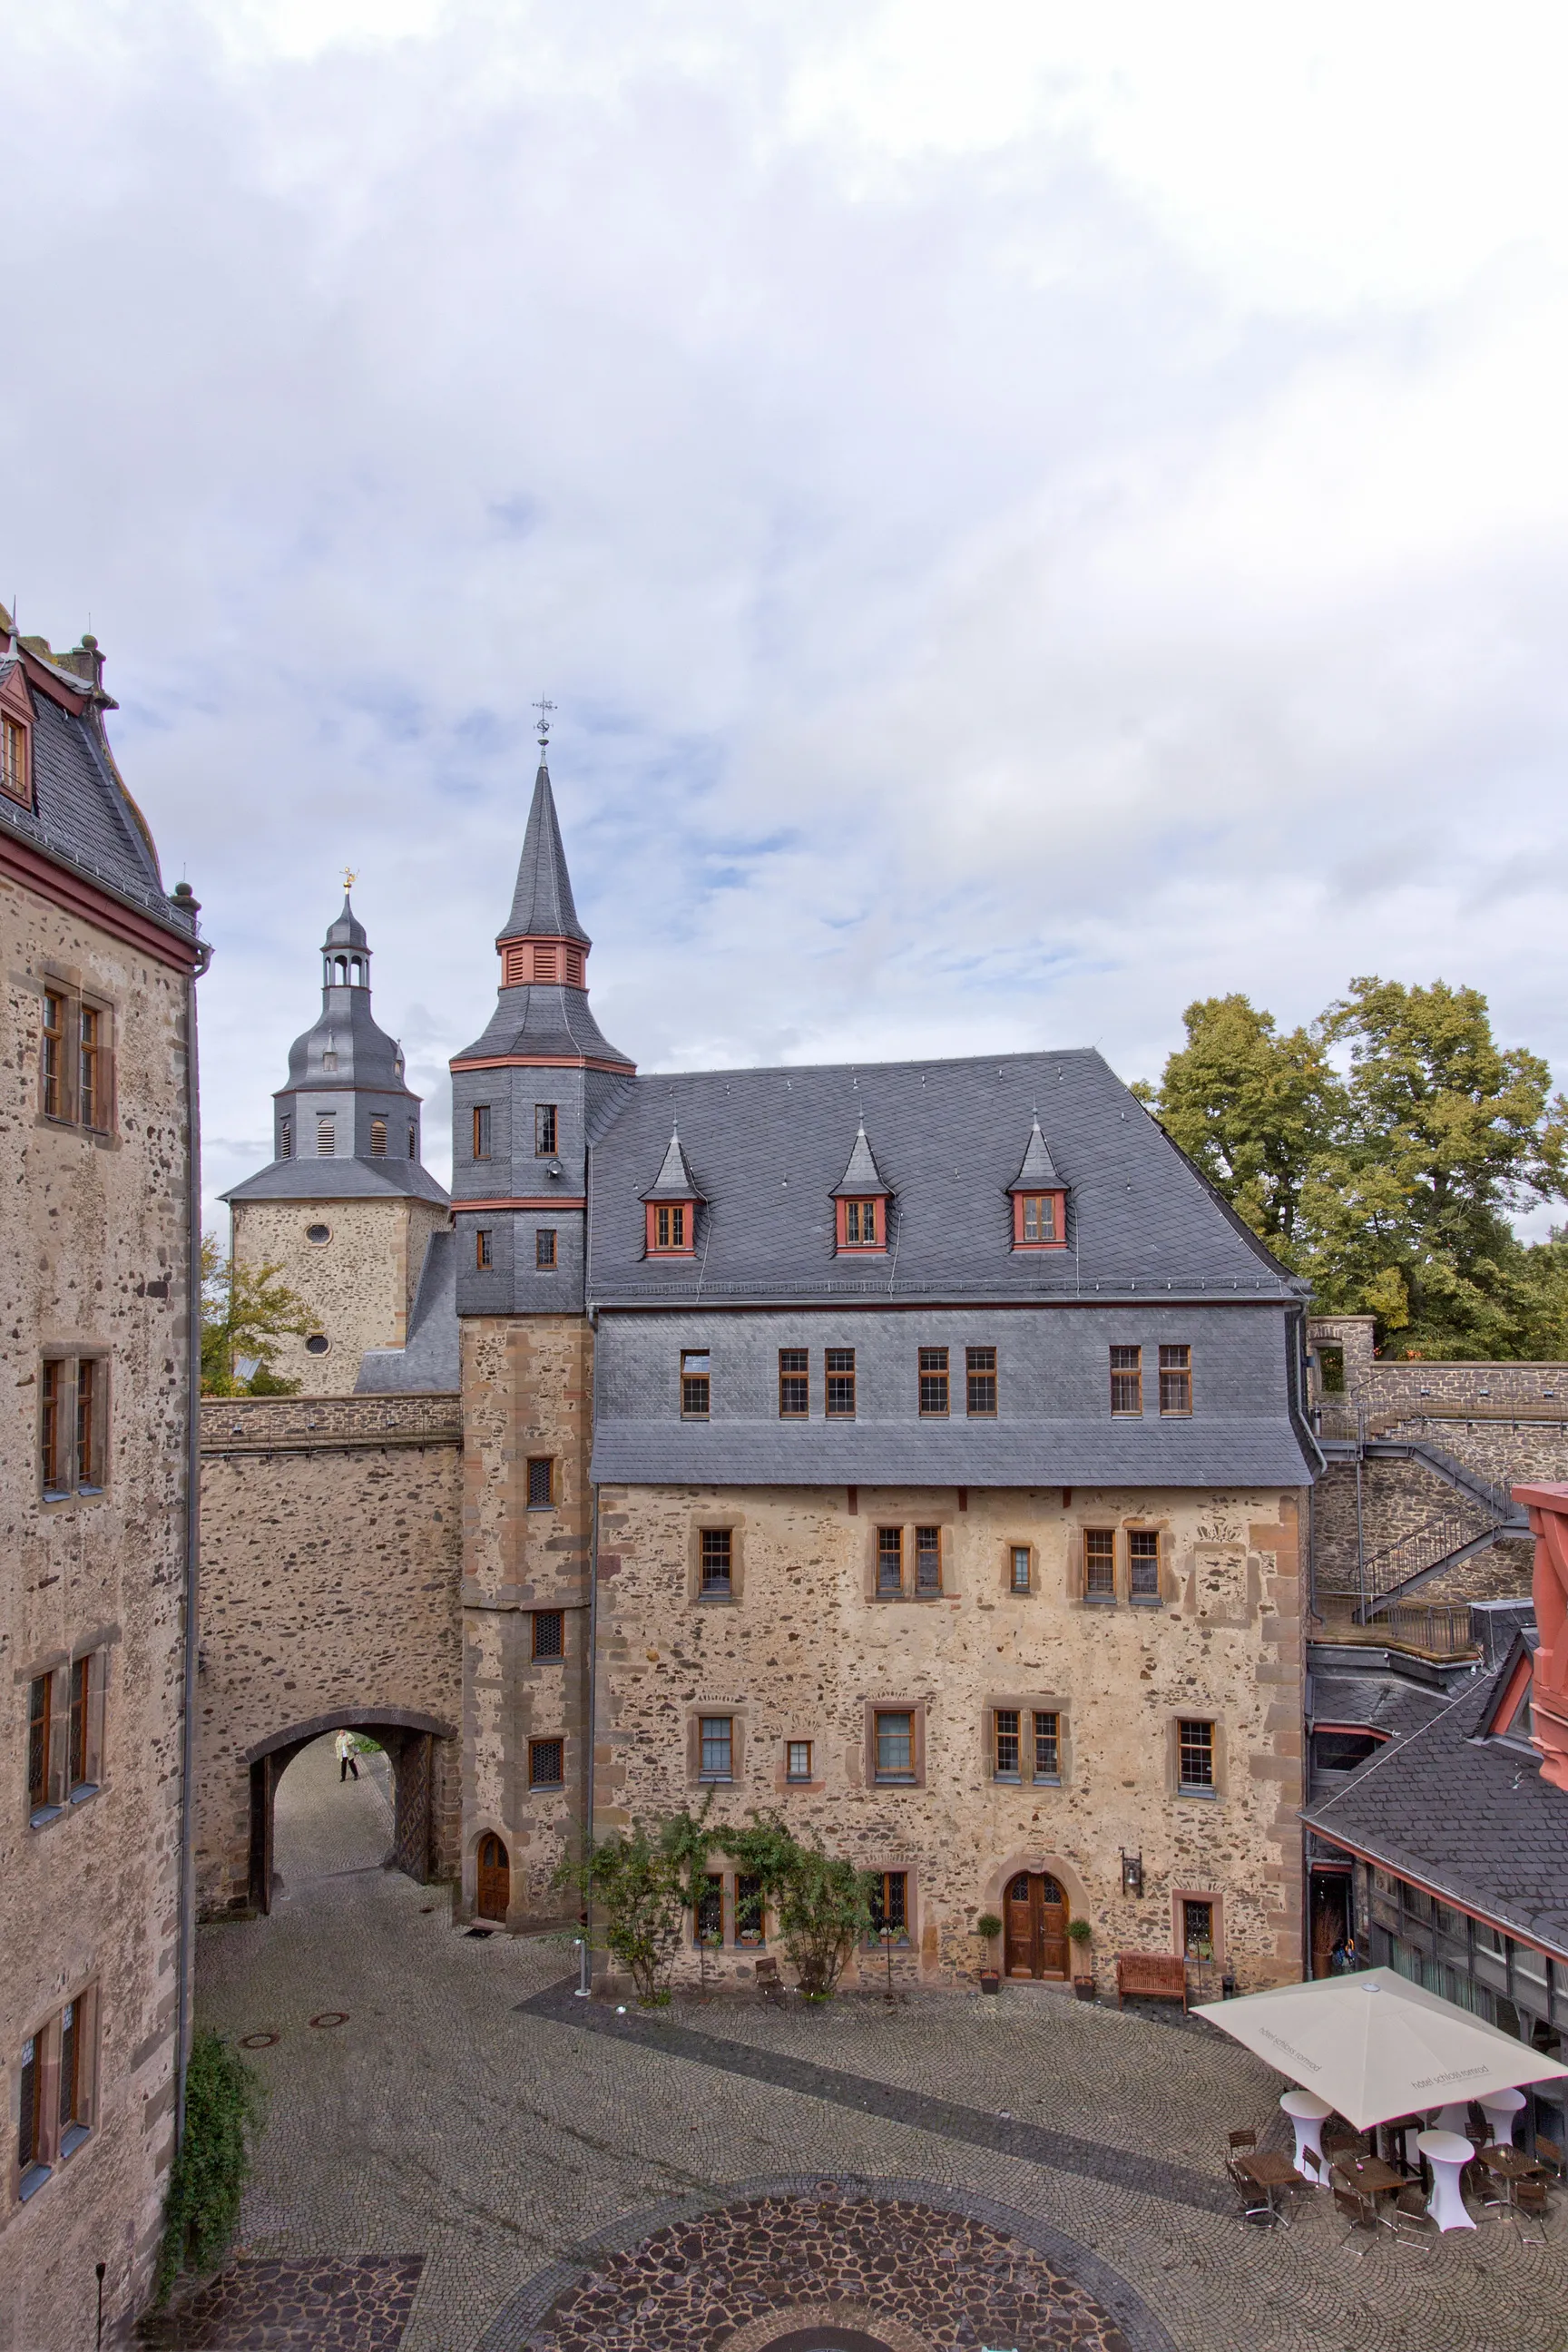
(348,1755)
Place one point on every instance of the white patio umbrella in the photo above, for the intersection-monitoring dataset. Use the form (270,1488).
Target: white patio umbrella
(1375,2045)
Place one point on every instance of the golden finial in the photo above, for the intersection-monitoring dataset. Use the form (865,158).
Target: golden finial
(349,881)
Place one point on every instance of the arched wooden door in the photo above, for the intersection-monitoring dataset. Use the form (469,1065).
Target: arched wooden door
(1035,1915)
(494,1891)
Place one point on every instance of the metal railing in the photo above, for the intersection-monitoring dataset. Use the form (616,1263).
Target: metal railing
(1440,1630)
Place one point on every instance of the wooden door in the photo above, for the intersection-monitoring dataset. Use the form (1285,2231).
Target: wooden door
(1035,1915)
(495,1879)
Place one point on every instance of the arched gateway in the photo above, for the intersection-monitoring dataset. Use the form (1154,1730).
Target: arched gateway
(409,1740)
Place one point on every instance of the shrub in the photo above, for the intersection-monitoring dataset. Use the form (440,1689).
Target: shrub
(823,1901)
(1080,1930)
(223,2112)
(988,1926)
(645,1882)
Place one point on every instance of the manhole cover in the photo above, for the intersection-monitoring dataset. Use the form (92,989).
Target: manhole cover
(257,2040)
(331,2016)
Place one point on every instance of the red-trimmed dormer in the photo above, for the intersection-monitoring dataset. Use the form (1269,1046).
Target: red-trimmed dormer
(16,734)
(1039,1199)
(672,1203)
(862,1201)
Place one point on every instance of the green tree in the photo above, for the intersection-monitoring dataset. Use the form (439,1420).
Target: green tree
(245,1310)
(646,1881)
(821,1901)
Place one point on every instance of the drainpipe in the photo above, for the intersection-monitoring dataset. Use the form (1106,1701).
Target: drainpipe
(193,1537)
(586,1969)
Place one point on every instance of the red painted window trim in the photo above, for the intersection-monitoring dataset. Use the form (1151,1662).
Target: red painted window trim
(879,1248)
(687,1245)
(1507,1705)
(1059,1220)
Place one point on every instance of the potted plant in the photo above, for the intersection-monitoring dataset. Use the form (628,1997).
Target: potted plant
(1083,1984)
(988,1926)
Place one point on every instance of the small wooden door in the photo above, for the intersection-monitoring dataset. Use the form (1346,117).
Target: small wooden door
(1035,1918)
(495,1879)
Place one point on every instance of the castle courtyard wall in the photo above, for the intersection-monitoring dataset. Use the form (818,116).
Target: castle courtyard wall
(804,1651)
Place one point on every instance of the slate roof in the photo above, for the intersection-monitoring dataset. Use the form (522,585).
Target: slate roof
(542,902)
(1467,1816)
(428,1360)
(675,1180)
(82,814)
(862,1177)
(1037,1173)
(542,1020)
(340,1179)
(768,1147)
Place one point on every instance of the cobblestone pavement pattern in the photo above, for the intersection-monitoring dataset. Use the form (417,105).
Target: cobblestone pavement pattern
(353,2306)
(450,2117)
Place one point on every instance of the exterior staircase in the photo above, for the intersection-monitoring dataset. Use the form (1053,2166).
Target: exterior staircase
(1480,1516)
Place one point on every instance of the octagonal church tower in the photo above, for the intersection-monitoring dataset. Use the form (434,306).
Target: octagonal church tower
(345,1207)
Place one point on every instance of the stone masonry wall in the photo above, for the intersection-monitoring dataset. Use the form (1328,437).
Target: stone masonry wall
(360,1283)
(331,1565)
(527,1396)
(94,1258)
(803,1651)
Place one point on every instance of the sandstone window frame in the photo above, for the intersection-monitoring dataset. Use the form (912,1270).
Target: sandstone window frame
(875,1710)
(1013,1554)
(1177,1787)
(77,1039)
(547,1635)
(708,1523)
(1143,1544)
(1100,1562)
(54,2101)
(799,1764)
(1027,1709)
(547,1761)
(904,1875)
(900,1563)
(541,1481)
(1183,1895)
(74,1405)
(716,1563)
(721,1903)
(714,1761)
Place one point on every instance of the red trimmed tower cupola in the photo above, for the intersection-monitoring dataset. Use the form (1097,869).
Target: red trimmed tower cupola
(671,1202)
(527,1095)
(862,1201)
(1039,1199)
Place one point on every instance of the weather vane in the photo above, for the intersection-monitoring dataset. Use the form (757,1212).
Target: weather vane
(349,881)
(544,709)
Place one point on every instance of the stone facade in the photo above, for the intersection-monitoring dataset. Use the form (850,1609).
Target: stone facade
(359,1282)
(330,1561)
(803,1651)
(95,1269)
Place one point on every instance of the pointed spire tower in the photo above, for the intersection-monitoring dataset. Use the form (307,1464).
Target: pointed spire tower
(526,1093)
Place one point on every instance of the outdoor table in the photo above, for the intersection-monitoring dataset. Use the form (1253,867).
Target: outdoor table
(1456,2118)
(1508,2165)
(1307,2114)
(1447,2154)
(1370,2174)
(1269,2171)
(1501,2109)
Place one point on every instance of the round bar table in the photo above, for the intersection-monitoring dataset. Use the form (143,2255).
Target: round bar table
(1456,2118)
(1309,2114)
(1501,2110)
(1447,2154)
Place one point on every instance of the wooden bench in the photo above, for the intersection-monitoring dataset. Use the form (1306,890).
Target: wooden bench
(1150,1975)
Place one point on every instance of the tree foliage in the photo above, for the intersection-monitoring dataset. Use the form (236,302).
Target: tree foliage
(823,1901)
(245,1310)
(224,2107)
(1381,1152)
(646,1881)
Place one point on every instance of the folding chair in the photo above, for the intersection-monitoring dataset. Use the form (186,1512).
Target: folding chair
(1358,2211)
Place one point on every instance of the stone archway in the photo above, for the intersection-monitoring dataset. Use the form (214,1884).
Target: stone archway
(409,1739)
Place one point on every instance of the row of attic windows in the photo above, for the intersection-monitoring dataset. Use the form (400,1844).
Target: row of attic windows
(939,1383)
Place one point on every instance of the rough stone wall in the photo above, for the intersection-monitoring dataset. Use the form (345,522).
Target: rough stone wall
(1398,1500)
(331,1563)
(527,1395)
(359,1283)
(1387,1385)
(1398,1497)
(93,1255)
(803,1651)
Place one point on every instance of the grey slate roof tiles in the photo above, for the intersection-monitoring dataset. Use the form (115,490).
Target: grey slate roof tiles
(540,1019)
(675,1180)
(340,1179)
(862,1177)
(542,902)
(1037,1173)
(428,1360)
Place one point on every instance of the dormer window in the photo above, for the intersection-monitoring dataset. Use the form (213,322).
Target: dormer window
(860,1224)
(861,1200)
(1039,1199)
(670,1205)
(1036,1216)
(16,776)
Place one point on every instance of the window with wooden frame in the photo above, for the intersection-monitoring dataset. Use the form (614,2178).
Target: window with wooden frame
(707,1913)
(15,761)
(53,1066)
(548,1633)
(893,1746)
(1100,1564)
(696,1383)
(1048,1744)
(1175,1379)
(483,1261)
(545,1126)
(750,1913)
(1039,1220)
(541,1483)
(795,1383)
(31,2167)
(889,1906)
(933,1383)
(838,1380)
(1127,1381)
(671,1228)
(1006,1743)
(1143,1566)
(93,1068)
(84,1726)
(546,1763)
(481,1130)
(1194,1758)
(544,1249)
(326,1134)
(797,1759)
(42,1769)
(1020,1568)
(71,2087)
(377,1136)
(928,1560)
(862,1225)
(55,2091)
(716,1565)
(1197,1926)
(980,1368)
(76,1064)
(890,1563)
(716,1747)
(72,1425)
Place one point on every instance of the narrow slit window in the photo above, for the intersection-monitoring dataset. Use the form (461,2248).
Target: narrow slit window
(29,2121)
(1127,1381)
(86,1447)
(717,1563)
(933,1383)
(52,1446)
(482,1257)
(1144,1564)
(1019,1564)
(838,1371)
(541,1483)
(549,1633)
(56,1103)
(1100,1564)
(981,1376)
(895,1744)
(928,1560)
(1194,1758)
(696,1383)
(544,1124)
(546,1763)
(716,1747)
(412,1139)
(795,1383)
(1007,1744)
(80,1764)
(481,1130)
(1047,1746)
(1175,1379)
(544,1249)
(70,2067)
(889,1560)
(40,1738)
(377,1136)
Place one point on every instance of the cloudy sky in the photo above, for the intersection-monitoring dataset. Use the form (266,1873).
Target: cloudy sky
(1028,514)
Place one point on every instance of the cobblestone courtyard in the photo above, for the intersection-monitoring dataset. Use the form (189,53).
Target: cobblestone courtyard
(1027,2172)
